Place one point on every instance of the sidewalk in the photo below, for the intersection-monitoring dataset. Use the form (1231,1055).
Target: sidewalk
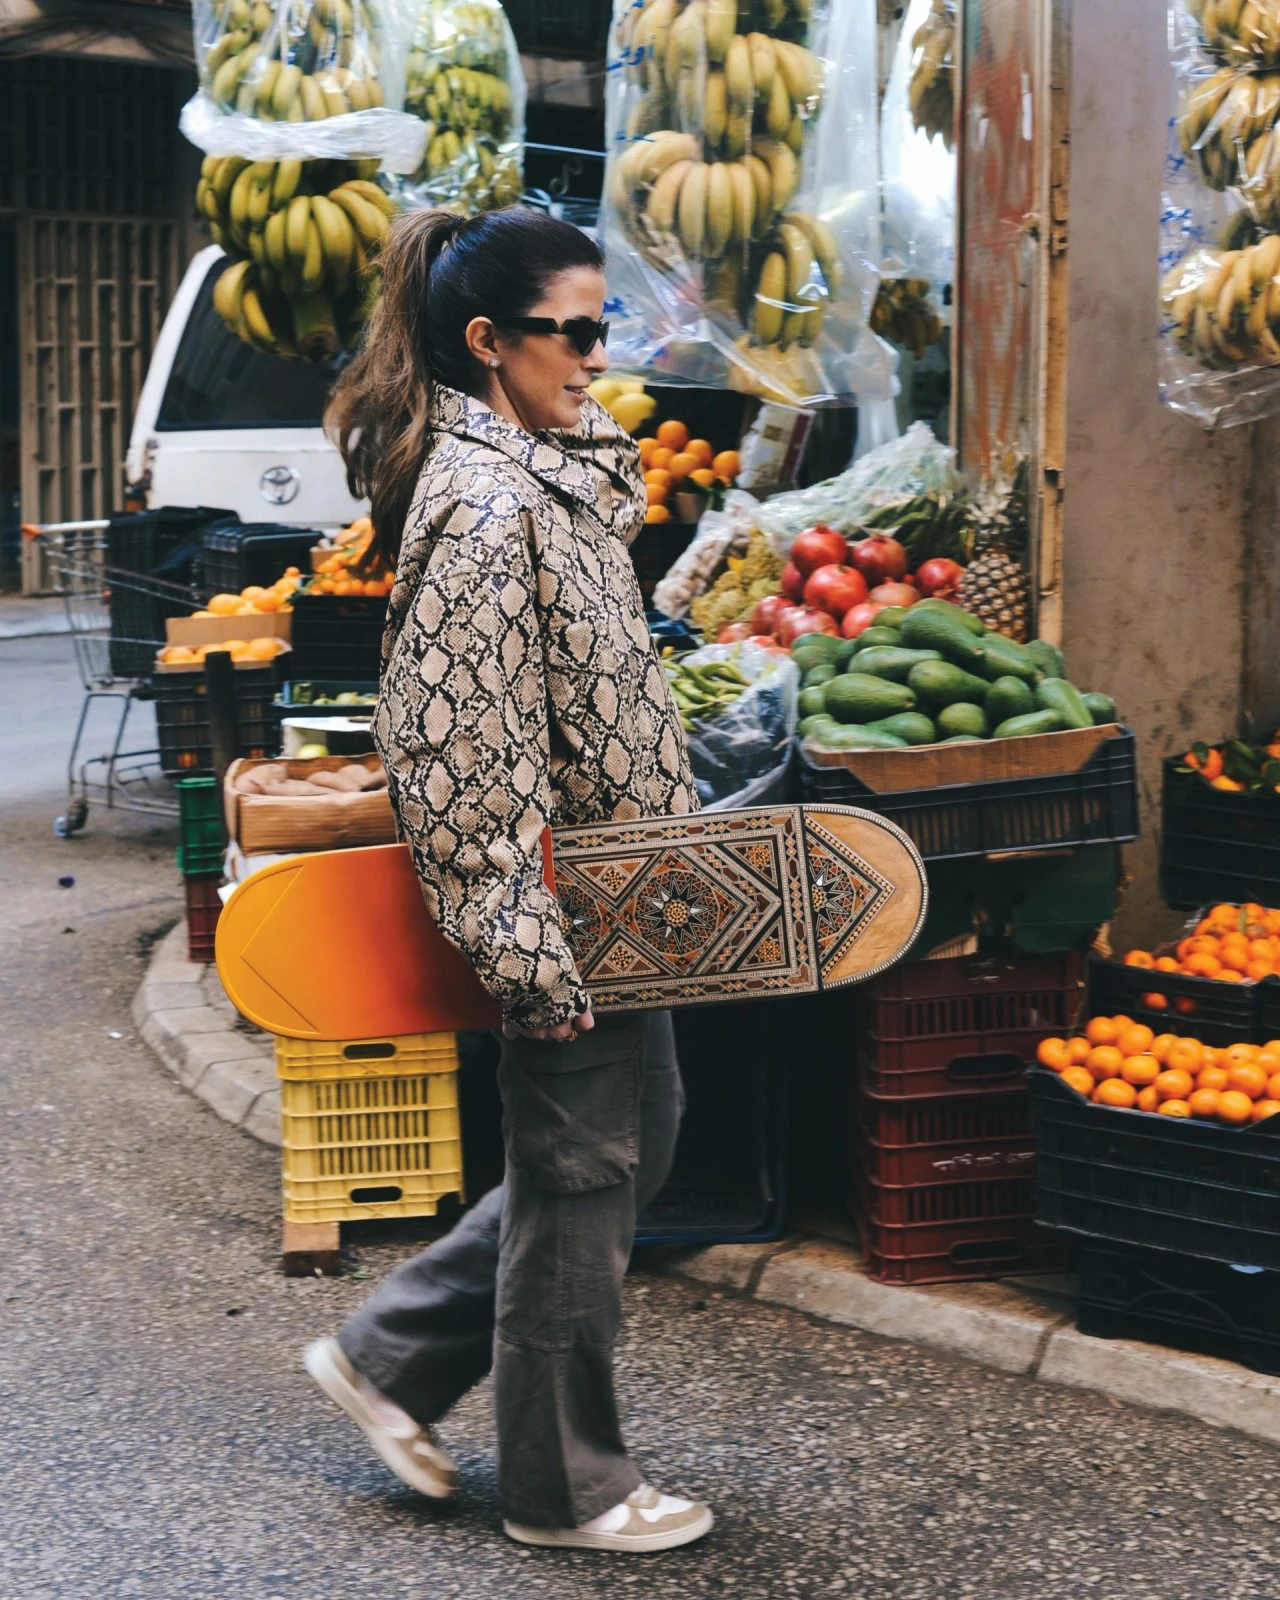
(1021,1325)
(22,617)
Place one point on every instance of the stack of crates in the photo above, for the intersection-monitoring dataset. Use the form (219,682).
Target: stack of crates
(940,1120)
(200,862)
(369,1127)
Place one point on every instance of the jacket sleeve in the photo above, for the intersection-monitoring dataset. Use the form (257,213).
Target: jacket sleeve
(463,731)
(605,445)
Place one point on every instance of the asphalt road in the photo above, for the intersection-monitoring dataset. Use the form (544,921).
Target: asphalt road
(160,1441)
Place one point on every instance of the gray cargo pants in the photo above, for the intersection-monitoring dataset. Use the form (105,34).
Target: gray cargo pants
(530,1281)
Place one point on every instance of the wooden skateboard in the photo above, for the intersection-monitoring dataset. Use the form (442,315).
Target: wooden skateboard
(728,905)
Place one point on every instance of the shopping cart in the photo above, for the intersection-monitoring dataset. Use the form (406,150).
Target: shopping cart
(116,622)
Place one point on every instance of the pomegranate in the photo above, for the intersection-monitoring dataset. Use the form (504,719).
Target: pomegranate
(792,582)
(940,577)
(859,618)
(801,620)
(766,641)
(764,619)
(895,594)
(879,558)
(835,589)
(820,547)
(732,632)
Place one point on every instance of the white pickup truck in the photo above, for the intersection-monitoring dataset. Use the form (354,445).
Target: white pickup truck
(220,424)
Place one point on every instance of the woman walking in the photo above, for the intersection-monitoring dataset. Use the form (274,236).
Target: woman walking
(519,688)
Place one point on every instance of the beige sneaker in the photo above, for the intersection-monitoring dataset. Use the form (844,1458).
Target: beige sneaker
(408,1449)
(646,1520)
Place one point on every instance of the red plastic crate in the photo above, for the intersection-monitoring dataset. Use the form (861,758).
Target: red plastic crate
(204,906)
(965,1024)
(900,1142)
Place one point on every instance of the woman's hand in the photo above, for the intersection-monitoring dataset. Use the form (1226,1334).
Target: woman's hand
(562,1033)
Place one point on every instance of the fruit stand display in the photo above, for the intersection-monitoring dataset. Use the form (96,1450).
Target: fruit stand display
(1220,824)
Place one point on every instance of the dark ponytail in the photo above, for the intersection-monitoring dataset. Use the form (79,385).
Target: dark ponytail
(439,271)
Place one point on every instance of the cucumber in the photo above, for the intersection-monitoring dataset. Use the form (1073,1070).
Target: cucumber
(852,738)
(932,630)
(1056,694)
(819,674)
(963,717)
(939,683)
(1008,697)
(809,726)
(861,697)
(1006,659)
(1047,657)
(811,702)
(875,635)
(1101,707)
(887,661)
(958,614)
(912,726)
(1033,722)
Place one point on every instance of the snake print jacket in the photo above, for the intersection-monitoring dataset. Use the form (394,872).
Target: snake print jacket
(520,686)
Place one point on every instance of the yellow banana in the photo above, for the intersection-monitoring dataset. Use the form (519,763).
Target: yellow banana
(228,289)
(227,80)
(259,203)
(778,113)
(255,318)
(314,327)
(663,152)
(762,178)
(714,110)
(315,108)
(801,71)
(771,290)
(798,253)
(285,91)
(313,260)
(793,138)
(208,167)
(736,131)
(370,223)
(227,171)
(686,41)
(739,88)
(691,211)
(285,184)
(660,210)
(651,37)
(721,25)
(264,88)
(273,242)
(337,239)
(719,214)
(784,170)
(374,194)
(238,207)
(827,252)
(297,221)
(359,94)
(764,62)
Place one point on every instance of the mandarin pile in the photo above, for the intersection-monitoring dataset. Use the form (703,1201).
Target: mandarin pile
(1122,1063)
(255,600)
(672,461)
(242,651)
(1232,944)
(349,569)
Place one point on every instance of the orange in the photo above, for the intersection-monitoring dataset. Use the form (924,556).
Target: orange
(1204,1102)
(727,465)
(1149,1098)
(1203,965)
(1080,1080)
(262,649)
(673,434)
(658,475)
(1235,1107)
(1265,1108)
(680,466)
(1105,1061)
(700,448)
(1053,1053)
(647,447)
(1079,1049)
(1174,1108)
(178,653)
(657,493)
(1235,959)
(224,605)
(1140,1070)
(703,477)
(1135,1040)
(1187,1055)
(1234,1054)
(1215,1078)
(657,514)
(1154,1002)
(1163,1043)
(1140,958)
(270,601)
(1229,785)
(1249,1078)
(1273,1044)
(1116,1092)
(1258,970)
(1223,915)
(662,457)
(1101,1030)
(1166,964)
(1210,1056)
(1269,1061)
(1186,1005)
(1173,1085)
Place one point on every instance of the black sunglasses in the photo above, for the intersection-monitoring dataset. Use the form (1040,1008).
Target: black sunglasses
(583,333)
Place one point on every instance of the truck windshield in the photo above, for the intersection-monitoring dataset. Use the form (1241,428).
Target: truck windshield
(218,381)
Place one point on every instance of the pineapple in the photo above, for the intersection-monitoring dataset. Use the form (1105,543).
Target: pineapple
(996,585)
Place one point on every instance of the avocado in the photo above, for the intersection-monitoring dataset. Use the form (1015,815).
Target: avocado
(1056,694)
(962,716)
(1005,658)
(811,702)
(1034,722)
(819,674)
(931,630)
(809,726)
(854,738)
(844,654)
(888,661)
(1047,657)
(958,614)
(860,697)
(877,635)
(913,726)
(890,617)
(961,738)
(939,683)
(1008,697)
(1101,707)
(815,650)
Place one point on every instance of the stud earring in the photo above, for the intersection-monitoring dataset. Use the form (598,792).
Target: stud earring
(494,362)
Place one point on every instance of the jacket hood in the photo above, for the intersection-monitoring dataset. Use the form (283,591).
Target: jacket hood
(597,465)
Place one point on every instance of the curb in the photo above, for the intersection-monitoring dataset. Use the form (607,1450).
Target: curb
(1022,1326)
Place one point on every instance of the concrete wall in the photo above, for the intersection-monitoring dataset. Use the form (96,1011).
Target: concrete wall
(1157,510)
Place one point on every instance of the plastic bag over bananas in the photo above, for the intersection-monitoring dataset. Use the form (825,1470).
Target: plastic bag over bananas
(741,212)
(1219,288)
(463,78)
(919,163)
(302,224)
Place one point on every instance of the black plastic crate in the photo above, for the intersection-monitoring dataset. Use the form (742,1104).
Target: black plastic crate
(235,554)
(1268,1010)
(182,718)
(1096,804)
(150,575)
(1208,1307)
(288,701)
(1224,1013)
(338,636)
(1168,1183)
(1216,845)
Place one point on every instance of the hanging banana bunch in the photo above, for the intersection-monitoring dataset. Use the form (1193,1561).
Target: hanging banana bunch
(931,94)
(904,314)
(1244,32)
(1224,305)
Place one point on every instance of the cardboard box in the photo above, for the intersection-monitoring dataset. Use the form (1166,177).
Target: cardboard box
(214,630)
(264,822)
(941,766)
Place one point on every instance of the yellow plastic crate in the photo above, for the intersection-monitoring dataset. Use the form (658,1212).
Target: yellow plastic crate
(370,1127)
